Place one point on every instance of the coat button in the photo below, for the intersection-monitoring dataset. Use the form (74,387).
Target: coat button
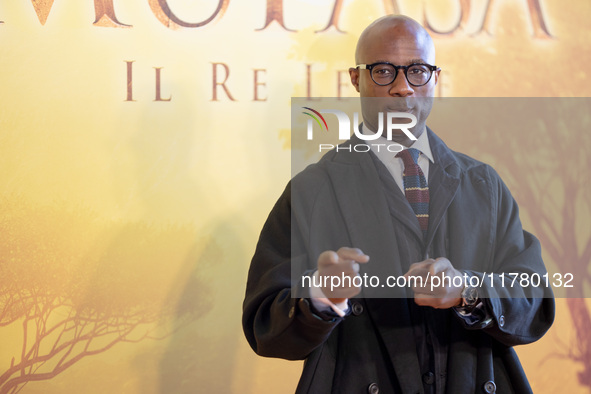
(429,378)
(357,308)
(490,387)
(501,321)
(373,388)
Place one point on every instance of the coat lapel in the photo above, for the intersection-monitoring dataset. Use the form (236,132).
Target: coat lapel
(365,211)
(362,202)
(444,180)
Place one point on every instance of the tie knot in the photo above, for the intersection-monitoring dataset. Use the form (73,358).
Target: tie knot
(409,156)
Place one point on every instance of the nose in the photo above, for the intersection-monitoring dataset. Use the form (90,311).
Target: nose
(400,87)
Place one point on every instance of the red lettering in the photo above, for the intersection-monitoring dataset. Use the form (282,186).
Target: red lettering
(222,84)
(275,13)
(461,23)
(42,8)
(129,81)
(257,84)
(165,15)
(105,14)
(158,96)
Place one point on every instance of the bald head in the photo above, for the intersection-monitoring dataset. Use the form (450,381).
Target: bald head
(393,30)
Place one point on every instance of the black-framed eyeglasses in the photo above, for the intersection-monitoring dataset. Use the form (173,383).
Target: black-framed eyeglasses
(384,73)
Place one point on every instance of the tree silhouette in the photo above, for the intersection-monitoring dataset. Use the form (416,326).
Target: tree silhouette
(540,147)
(76,292)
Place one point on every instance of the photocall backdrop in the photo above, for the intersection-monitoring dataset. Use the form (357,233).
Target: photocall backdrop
(143,143)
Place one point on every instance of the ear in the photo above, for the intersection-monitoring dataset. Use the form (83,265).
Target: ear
(436,75)
(354,74)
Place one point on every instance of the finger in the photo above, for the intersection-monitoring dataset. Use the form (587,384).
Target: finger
(354,254)
(342,268)
(350,268)
(421,265)
(418,269)
(440,265)
(427,285)
(328,258)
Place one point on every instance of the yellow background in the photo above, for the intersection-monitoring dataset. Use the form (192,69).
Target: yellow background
(132,223)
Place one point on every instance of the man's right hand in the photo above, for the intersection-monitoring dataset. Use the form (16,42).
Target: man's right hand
(339,264)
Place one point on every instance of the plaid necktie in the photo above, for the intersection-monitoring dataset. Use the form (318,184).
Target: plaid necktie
(416,189)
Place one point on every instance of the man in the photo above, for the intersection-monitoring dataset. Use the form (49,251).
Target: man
(397,210)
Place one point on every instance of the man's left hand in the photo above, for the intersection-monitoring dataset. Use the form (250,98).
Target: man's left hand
(437,290)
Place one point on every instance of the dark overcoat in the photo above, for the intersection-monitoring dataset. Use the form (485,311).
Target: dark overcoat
(340,201)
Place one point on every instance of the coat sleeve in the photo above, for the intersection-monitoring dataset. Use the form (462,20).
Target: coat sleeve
(275,323)
(520,314)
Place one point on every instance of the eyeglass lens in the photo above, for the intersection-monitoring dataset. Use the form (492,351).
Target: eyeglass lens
(417,74)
